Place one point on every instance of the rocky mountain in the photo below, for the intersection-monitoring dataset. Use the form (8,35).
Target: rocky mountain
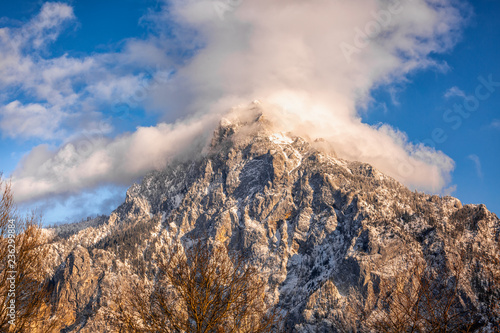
(321,229)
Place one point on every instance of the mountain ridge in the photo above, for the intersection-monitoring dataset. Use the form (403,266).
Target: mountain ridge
(317,226)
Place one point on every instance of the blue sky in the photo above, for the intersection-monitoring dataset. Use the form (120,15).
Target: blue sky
(95,94)
(421,105)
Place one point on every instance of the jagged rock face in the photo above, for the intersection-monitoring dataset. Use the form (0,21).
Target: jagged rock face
(317,226)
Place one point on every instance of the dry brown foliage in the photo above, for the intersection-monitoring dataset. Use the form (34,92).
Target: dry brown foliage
(200,288)
(21,262)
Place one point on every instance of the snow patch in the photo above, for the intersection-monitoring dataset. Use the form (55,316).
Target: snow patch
(280,138)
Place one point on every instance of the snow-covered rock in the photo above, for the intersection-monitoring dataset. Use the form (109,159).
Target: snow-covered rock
(318,226)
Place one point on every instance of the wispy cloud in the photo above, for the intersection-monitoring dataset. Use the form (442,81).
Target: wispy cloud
(58,95)
(30,120)
(46,26)
(285,54)
(454,92)
(495,124)
(44,172)
(450,190)
(477,164)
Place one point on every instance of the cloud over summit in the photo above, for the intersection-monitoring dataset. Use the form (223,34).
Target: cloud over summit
(289,53)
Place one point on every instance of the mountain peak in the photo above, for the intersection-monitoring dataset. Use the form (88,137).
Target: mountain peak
(321,229)
(242,124)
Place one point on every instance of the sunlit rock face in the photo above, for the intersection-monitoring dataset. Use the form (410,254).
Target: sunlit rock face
(319,227)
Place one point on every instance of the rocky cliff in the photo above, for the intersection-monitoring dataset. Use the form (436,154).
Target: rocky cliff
(321,228)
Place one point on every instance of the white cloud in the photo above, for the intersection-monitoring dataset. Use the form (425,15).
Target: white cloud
(29,120)
(454,92)
(74,91)
(47,25)
(450,190)
(477,164)
(383,146)
(69,209)
(287,53)
(87,163)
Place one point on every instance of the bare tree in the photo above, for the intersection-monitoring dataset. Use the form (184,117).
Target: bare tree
(24,292)
(201,288)
(417,298)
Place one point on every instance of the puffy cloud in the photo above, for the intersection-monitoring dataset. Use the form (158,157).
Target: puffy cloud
(314,62)
(29,120)
(388,149)
(319,60)
(95,160)
(63,94)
